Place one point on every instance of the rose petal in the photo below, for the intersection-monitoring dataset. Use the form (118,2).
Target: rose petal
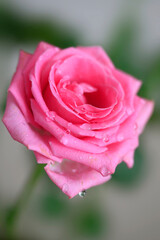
(130,86)
(86,70)
(129,159)
(60,134)
(23,132)
(55,103)
(74,178)
(108,160)
(41,48)
(41,159)
(99,54)
(17,88)
(145,110)
(43,65)
(37,94)
(126,79)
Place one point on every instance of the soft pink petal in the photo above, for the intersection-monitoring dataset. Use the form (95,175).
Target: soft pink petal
(41,48)
(118,151)
(60,134)
(54,102)
(130,86)
(43,65)
(33,138)
(95,161)
(83,69)
(70,127)
(17,87)
(37,94)
(108,160)
(86,70)
(129,158)
(126,78)
(74,177)
(41,159)
(99,54)
(144,113)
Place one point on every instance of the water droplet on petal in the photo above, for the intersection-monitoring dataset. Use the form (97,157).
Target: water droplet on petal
(68,131)
(64,140)
(65,188)
(74,170)
(50,116)
(82,193)
(135,126)
(105,139)
(104,171)
(85,126)
(52,166)
(129,111)
(120,137)
(48,119)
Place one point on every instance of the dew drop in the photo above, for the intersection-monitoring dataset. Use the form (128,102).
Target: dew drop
(104,171)
(65,188)
(48,119)
(74,170)
(50,116)
(51,166)
(64,140)
(82,193)
(129,111)
(68,131)
(120,137)
(105,139)
(135,126)
(85,126)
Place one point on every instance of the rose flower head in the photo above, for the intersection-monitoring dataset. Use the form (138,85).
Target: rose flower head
(77,113)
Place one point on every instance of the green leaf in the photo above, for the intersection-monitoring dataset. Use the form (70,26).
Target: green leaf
(30,30)
(89,222)
(52,206)
(120,45)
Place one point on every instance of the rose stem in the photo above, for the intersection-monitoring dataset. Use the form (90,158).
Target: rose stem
(14,212)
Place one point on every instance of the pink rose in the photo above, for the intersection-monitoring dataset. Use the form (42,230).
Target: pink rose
(77,112)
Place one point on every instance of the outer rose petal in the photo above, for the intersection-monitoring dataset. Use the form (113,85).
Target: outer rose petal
(17,87)
(75,177)
(41,159)
(40,51)
(146,109)
(105,163)
(99,54)
(22,132)
(129,158)
(126,79)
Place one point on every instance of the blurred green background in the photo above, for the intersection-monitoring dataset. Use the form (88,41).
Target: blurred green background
(127,207)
